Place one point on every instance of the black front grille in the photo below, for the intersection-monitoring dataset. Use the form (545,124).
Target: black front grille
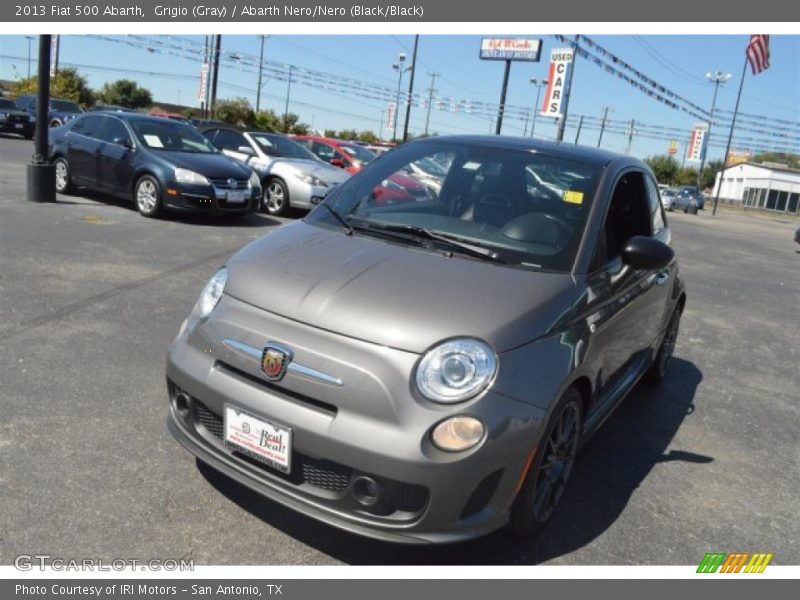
(223,182)
(209,420)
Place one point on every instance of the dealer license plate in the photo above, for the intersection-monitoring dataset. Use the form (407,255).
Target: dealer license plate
(260,439)
(19,125)
(235,197)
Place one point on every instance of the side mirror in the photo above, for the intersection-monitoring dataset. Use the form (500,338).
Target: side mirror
(337,162)
(642,252)
(246,150)
(123,141)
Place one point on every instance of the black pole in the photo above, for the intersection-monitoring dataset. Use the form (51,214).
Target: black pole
(580,126)
(708,132)
(260,67)
(536,108)
(568,91)
(730,139)
(430,101)
(41,175)
(630,137)
(502,108)
(602,127)
(411,87)
(217,51)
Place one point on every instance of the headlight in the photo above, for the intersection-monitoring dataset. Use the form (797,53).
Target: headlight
(457,433)
(310,179)
(255,181)
(187,176)
(3,116)
(211,294)
(456,370)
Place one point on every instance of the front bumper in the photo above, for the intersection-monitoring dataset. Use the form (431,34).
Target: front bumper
(25,128)
(208,198)
(305,195)
(369,426)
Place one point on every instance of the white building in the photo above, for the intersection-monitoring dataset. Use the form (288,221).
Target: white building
(767,186)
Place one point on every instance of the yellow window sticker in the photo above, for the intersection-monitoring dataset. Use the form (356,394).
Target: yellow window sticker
(573,197)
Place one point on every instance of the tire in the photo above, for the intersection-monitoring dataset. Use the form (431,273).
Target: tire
(64,183)
(276,197)
(550,470)
(658,370)
(147,196)
(55,123)
(28,136)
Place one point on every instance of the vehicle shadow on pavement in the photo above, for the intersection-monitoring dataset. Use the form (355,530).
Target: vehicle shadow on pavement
(611,466)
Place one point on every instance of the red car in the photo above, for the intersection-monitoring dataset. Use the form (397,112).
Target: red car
(168,115)
(352,157)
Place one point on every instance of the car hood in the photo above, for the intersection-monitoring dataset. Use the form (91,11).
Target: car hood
(393,295)
(316,168)
(214,166)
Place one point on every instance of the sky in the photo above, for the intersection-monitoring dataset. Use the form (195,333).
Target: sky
(678,62)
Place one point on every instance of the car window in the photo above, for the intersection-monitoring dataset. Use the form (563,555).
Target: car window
(324,151)
(90,126)
(115,132)
(628,216)
(65,106)
(358,153)
(7,104)
(171,136)
(273,144)
(656,208)
(481,197)
(26,102)
(211,134)
(230,140)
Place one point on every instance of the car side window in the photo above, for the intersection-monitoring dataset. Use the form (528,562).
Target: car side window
(92,127)
(211,135)
(115,132)
(656,209)
(345,159)
(628,216)
(324,151)
(230,140)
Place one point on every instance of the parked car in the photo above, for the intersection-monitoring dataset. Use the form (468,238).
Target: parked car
(797,235)
(110,107)
(159,164)
(426,371)
(13,120)
(692,192)
(685,201)
(291,176)
(668,196)
(59,112)
(169,115)
(346,155)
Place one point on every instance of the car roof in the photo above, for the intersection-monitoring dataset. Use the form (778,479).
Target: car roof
(585,154)
(137,116)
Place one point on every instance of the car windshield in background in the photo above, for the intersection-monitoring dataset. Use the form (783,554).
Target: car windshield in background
(65,106)
(171,136)
(7,104)
(520,208)
(362,155)
(283,147)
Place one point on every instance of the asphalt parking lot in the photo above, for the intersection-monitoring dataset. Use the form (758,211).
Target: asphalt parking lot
(91,295)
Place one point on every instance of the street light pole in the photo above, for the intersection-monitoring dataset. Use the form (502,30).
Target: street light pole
(631,131)
(539,85)
(431,91)
(260,68)
(41,175)
(410,87)
(30,38)
(286,109)
(717,78)
(217,51)
(602,126)
(398,66)
(580,126)
(502,108)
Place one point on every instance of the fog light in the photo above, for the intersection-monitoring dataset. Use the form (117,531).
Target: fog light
(366,491)
(182,405)
(457,433)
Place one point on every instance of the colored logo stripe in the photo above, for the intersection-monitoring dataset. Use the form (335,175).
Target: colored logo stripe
(734,562)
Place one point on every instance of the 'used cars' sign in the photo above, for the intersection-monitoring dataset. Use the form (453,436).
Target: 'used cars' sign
(560,59)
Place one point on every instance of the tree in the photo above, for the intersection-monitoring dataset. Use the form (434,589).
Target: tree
(267,120)
(236,112)
(665,168)
(330,133)
(368,137)
(301,129)
(709,176)
(67,85)
(686,176)
(125,92)
(792,160)
(348,134)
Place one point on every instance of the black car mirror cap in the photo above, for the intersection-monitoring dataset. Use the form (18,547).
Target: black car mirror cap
(642,252)
(246,150)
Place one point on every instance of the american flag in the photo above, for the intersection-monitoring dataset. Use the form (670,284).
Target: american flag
(758,53)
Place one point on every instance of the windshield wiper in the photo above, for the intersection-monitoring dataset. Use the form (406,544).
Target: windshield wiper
(452,242)
(348,229)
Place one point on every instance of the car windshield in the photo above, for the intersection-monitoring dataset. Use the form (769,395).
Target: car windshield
(488,203)
(65,106)
(171,136)
(283,147)
(359,153)
(7,104)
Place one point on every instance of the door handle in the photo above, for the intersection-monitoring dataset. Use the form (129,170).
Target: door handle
(662,278)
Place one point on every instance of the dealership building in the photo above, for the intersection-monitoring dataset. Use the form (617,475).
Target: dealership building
(767,186)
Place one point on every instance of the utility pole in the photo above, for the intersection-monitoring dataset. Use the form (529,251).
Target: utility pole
(562,123)
(630,137)
(717,78)
(580,126)
(41,175)
(431,91)
(602,126)
(410,87)
(217,51)
(398,66)
(539,85)
(260,69)
(525,128)
(730,139)
(286,109)
(502,108)
(30,38)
